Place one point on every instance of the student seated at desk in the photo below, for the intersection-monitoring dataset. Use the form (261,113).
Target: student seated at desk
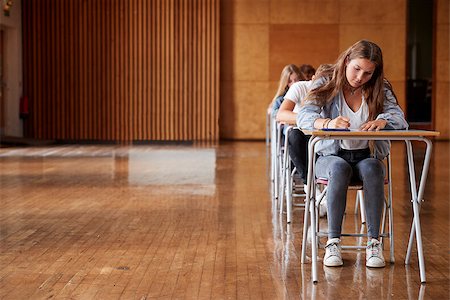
(289,75)
(307,71)
(353,94)
(298,142)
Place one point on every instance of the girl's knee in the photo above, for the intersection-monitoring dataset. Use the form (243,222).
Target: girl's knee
(340,169)
(371,168)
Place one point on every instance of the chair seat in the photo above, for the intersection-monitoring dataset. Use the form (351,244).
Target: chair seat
(357,185)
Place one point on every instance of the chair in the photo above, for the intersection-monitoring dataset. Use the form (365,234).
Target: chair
(359,202)
(277,148)
(287,187)
(289,190)
(387,212)
(274,149)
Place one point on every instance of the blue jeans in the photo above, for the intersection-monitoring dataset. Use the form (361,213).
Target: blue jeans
(340,171)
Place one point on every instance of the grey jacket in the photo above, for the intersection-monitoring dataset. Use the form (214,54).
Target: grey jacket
(392,113)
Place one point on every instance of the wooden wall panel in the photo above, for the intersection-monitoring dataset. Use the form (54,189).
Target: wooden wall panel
(260,37)
(441,88)
(113,70)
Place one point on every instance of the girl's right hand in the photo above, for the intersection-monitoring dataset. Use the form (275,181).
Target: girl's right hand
(339,122)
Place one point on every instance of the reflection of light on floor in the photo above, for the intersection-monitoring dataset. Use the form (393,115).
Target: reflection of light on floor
(187,189)
(173,167)
(181,170)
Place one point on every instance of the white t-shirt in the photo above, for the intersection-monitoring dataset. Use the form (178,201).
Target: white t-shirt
(357,118)
(297,92)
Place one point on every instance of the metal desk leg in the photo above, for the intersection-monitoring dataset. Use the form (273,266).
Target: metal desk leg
(308,191)
(312,208)
(285,165)
(416,198)
(413,188)
(313,242)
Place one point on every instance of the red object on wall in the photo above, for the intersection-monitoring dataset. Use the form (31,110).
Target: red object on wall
(23,110)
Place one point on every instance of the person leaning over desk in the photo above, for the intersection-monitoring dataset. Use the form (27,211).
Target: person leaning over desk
(298,141)
(353,94)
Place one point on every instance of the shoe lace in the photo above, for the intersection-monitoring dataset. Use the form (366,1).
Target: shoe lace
(333,249)
(374,248)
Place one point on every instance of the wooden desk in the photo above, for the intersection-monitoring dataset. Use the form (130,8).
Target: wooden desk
(416,194)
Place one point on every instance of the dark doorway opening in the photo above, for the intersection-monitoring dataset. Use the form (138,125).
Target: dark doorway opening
(419,86)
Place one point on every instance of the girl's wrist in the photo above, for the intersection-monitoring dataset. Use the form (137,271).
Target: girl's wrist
(326,123)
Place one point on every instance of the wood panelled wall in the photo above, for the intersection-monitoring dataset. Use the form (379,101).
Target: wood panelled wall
(260,37)
(112,70)
(441,89)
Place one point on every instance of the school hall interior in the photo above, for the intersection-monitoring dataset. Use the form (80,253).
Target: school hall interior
(137,155)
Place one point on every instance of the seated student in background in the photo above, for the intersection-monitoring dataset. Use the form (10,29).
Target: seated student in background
(289,76)
(298,142)
(353,94)
(307,71)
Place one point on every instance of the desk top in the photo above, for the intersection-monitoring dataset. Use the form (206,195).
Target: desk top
(381,133)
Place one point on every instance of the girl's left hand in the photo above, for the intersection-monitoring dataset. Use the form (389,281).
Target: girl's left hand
(374,125)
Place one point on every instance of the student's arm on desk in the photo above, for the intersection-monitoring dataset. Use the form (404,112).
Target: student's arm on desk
(392,113)
(285,113)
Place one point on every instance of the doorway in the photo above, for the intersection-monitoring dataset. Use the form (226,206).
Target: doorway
(419,84)
(2,100)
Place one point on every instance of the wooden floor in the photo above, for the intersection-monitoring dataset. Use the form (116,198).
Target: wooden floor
(189,222)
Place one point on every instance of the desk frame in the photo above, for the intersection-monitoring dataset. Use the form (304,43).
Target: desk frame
(417,195)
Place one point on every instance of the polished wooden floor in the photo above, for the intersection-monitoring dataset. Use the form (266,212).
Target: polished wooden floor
(189,222)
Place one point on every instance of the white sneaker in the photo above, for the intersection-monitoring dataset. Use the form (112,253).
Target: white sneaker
(374,254)
(333,257)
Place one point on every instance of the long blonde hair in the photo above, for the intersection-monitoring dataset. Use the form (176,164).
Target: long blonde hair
(336,78)
(284,79)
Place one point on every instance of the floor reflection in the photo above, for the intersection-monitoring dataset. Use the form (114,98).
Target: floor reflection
(352,281)
(188,169)
(178,166)
(199,220)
